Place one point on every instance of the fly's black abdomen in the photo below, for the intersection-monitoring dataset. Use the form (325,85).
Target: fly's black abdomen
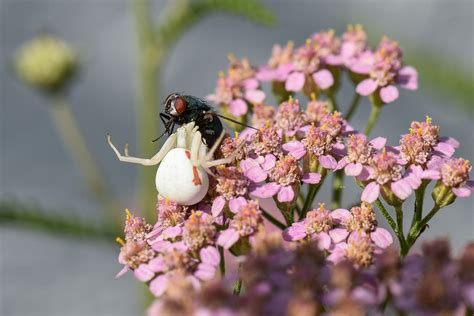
(210,127)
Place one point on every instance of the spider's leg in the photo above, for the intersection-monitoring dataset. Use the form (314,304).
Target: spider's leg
(167,146)
(210,153)
(196,143)
(223,161)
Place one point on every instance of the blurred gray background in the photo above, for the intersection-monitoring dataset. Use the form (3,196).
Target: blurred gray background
(43,274)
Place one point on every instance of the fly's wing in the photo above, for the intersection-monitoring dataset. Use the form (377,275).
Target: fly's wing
(210,127)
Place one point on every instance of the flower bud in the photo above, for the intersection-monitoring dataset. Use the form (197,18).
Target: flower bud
(442,195)
(45,62)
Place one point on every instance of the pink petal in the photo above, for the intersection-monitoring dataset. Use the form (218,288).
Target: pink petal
(340,214)
(238,107)
(408,78)
(461,192)
(295,81)
(286,194)
(371,192)
(157,264)
(236,204)
(265,74)
(297,231)
(328,162)
(256,174)
(378,142)
(449,140)
(266,190)
(269,162)
(205,272)
(210,255)
(324,241)
(143,273)
(381,237)
(431,174)
(353,169)
(338,234)
(389,94)
(323,79)
(337,255)
(311,177)
(228,238)
(366,87)
(342,163)
(295,148)
(248,163)
(401,189)
(445,148)
(122,272)
(282,72)
(218,206)
(250,84)
(255,96)
(158,285)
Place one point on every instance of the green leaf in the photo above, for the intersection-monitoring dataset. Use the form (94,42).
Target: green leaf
(34,217)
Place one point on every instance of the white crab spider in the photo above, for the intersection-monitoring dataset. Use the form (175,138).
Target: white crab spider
(182,174)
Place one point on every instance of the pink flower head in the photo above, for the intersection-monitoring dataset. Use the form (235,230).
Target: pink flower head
(289,118)
(246,221)
(385,170)
(198,230)
(238,88)
(316,225)
(279,65)
(455,174)
(315,110)
(266,141)
(360,219)
(231,184)
(262,115)
(310,60)
(354,43)
(386,72)
(169,213)
(359,154)
(284,176)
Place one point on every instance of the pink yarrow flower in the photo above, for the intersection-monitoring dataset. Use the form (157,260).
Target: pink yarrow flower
(245,222)
(284,177)
(359,153)
(317,225)
(385,172)
(238,89)
(310,62)
(386,72)
(279,65)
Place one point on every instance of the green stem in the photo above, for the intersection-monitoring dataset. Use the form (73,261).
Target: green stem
(68,129)
(337,186)
(401,237)
(272,219)
(353,107)
(374,115)
(222,263)
(386,215)
(418,211)
(415,233)
(147,111)
(237,287)
(312,191)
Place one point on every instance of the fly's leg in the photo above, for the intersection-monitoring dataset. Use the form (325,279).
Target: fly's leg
(167,146)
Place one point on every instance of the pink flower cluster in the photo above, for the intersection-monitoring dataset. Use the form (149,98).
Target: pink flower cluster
(352,235)
(295,281)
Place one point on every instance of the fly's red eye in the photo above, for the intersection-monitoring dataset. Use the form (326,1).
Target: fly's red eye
(180,105)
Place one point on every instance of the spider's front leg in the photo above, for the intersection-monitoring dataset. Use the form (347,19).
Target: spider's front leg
(167,146)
